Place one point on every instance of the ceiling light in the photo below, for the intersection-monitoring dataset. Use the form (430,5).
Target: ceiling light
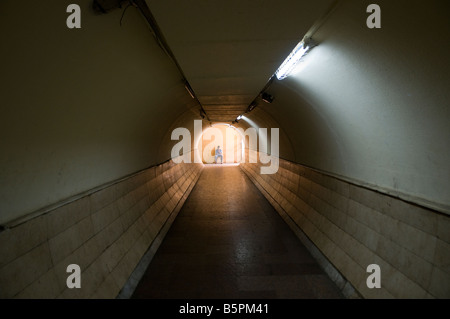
(266,97)
(293,58)
(251,107)
(239,117)
(189,89)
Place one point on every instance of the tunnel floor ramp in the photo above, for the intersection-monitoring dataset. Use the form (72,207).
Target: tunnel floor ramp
(228,242)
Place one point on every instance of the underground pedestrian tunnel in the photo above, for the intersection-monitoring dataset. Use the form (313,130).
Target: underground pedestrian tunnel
(357,135)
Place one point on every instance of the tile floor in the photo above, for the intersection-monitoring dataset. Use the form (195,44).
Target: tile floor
(228,242)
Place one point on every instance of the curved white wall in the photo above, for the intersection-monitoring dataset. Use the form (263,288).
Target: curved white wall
(81,107)
(372,105)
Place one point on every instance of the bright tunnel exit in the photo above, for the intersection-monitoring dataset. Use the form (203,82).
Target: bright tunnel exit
(228,138)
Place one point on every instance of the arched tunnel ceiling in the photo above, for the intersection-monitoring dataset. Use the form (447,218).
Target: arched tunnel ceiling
(228,50)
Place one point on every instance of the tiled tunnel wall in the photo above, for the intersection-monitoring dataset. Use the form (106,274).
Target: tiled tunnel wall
(106,233)
(354,227)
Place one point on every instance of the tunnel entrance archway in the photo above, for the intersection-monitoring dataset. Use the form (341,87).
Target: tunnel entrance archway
(227,137)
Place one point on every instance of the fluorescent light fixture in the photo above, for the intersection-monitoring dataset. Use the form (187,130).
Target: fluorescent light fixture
(293,58)
(251,106)
(237,119)
(188,88)
(266,97)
